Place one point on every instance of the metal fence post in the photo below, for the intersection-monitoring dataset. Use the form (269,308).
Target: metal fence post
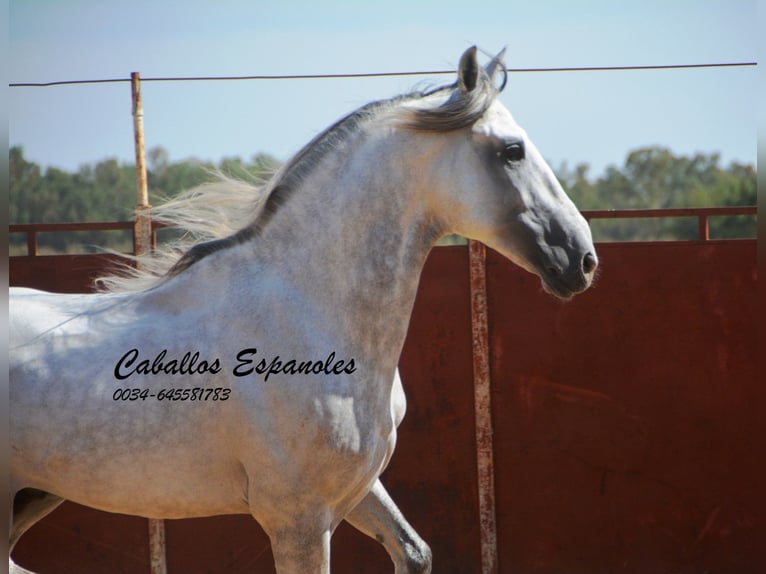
(142,233)
(483,407)
(157,561)
(142,244)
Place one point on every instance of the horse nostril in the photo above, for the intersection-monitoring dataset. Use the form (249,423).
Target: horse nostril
(589,263)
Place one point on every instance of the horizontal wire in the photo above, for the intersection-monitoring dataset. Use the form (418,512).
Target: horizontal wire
(377,74)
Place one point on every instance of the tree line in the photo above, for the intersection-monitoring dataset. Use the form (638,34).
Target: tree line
(105,191)
(655,178)
(651,177)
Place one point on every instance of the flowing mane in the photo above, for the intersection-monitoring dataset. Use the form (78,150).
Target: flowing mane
(227,212)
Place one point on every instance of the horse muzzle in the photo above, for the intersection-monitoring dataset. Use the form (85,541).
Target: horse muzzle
(566,281)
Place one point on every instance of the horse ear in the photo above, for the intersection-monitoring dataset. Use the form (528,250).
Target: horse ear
(468,70)
(498,64)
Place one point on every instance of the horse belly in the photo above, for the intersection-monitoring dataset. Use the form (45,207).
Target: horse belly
(149,458)
(163,478)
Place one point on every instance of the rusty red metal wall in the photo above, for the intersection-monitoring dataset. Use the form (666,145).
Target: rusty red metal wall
(627,421)
(627,435)
(59,273)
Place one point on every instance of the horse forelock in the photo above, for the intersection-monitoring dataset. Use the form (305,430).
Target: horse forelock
(461,108)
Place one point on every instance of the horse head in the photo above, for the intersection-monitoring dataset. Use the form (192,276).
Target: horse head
(495,185)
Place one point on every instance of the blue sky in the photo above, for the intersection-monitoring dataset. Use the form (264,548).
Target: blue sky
(584,117)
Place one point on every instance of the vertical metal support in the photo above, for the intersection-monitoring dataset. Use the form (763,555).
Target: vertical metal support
(157,562)
(142,244)
(32,243)
(483,407)
(703,228)
(142,231)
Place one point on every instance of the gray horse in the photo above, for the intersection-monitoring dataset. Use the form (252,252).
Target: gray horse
(256,373)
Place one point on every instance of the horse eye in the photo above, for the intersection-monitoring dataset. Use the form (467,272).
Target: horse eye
(514,151)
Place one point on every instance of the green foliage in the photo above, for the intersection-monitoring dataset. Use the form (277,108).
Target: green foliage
(655,178)
(651,177)
(105,191)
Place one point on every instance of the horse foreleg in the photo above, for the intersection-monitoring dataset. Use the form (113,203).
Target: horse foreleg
(301,550)
(378,517)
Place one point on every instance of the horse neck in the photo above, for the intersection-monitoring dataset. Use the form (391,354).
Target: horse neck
(353,237)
